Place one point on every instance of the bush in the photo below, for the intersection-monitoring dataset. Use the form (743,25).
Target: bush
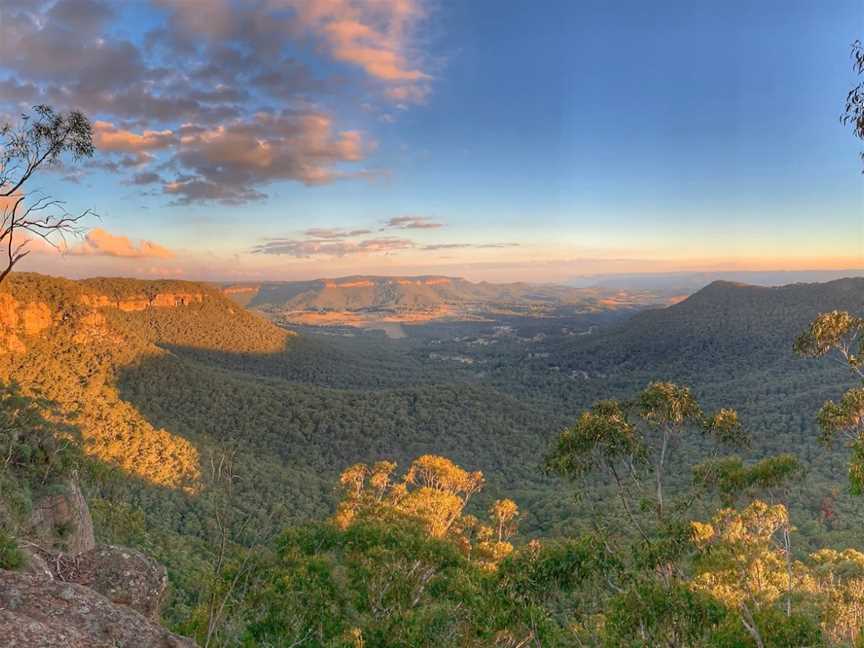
(10,555)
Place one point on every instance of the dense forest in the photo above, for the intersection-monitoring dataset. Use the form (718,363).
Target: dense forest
(296,487)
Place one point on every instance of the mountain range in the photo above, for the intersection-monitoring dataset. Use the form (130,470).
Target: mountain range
(353,300)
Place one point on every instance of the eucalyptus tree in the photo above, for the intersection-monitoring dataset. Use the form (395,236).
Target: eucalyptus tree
(41,140)
(839,335)
(633,441)
(853,114)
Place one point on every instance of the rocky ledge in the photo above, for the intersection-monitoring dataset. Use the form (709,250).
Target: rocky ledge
(38,611)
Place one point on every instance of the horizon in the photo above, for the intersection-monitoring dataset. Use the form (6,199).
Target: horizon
(305,139)
(697,280)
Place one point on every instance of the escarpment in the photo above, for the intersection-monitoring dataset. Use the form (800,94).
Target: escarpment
(142,302)
(71,342)
(24,315)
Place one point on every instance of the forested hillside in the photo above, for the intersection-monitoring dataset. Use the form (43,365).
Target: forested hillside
(427,298)
(164,380)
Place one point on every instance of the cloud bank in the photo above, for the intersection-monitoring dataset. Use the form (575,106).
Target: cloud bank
(216,100)
(98,242)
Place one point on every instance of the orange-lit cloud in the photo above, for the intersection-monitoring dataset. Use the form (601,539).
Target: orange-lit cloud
(226,162)
(373,35)
(107,137)
(376,36)
(225,96)
(98,242)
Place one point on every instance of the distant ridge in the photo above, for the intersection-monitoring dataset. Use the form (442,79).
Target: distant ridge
(690,282)
(344,299)
(722,324)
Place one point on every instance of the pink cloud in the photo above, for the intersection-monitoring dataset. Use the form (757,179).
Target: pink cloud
(225,162)
(375,36)
(107,137)
(98,242)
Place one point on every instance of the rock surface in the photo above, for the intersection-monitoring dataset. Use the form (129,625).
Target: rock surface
(62,522)
(123,576)
(39,612)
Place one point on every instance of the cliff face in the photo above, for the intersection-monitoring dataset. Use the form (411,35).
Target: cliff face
(22,319)
(71,341)
(142,302)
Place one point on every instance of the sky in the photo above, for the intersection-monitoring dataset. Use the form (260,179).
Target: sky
(500,141)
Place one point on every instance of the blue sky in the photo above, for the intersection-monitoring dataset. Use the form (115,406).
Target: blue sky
(496,140)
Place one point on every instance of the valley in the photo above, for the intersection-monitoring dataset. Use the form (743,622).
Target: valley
(370,302)
(161,379)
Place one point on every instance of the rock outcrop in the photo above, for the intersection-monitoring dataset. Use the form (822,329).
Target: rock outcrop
(71,593)
(124,576)
(133,303)
(40,612)
(21,319)
(61,521)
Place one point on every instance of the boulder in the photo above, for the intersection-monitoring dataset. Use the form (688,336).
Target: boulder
(35,561)
(40,612)
(61,521)
(123,576)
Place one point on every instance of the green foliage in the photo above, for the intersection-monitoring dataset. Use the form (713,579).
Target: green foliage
(43,137)
(301,408)
(845,418)
(733,480)
(602,438)
(776,630)
(664,404)
(389,583)
(33,448)
(843,334)
(544,571)
(670,544)
(650,613)
(606,440)
(829,331)
(36,454)
(10,555)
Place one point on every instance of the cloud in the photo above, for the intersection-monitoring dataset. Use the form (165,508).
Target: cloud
(107,137)
(98,242)
(476,246)
(334,232)
(412,222)
(146,178)
(188,190)
(225,163)
(377,36)
(328,247)
(371,35)
(223,105)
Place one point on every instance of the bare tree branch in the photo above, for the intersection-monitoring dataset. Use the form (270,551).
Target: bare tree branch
(41,139)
